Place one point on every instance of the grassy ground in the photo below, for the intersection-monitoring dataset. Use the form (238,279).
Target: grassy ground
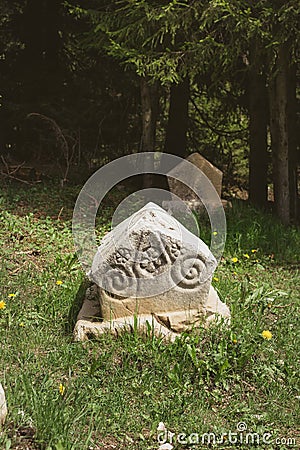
(112,393)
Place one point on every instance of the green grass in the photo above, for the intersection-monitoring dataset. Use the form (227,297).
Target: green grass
(116,391)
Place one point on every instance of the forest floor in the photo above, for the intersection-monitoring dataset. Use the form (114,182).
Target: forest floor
(112,393)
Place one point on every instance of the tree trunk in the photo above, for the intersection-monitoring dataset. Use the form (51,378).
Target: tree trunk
(149,101)
(42,77)
(53,45)
(282,140)
(42,43)
(176,134)
(258,158)
(292,131)
(32,57)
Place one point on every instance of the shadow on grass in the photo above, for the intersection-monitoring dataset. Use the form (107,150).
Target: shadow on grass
(76,306)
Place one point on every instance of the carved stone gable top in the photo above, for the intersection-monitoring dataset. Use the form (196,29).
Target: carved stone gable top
(150,253)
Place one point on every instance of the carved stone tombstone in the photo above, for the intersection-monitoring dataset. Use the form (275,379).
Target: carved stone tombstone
(186,193)
(150,267)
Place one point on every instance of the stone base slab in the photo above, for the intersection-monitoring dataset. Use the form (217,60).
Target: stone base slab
(164,324)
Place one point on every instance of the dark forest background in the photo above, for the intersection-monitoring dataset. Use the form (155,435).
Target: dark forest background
(82,83)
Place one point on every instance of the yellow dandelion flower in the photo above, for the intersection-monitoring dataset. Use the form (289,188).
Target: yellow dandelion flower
(2,304)
(22,324)
(234,259)
(215,278)
(234,341)
(215,233)
(61,389)
(246,255)
(234,273)
(11,295)
(266,334)
(59,282)
(254,250)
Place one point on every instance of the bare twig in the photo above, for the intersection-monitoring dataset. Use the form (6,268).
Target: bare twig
(60,213)
(5,163)
(10,173)
(8,168)
(15,178)
(282,306)
(61,138)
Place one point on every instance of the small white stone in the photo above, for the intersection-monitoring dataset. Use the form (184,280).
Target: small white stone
(3,406)
(161,427)
(166,446)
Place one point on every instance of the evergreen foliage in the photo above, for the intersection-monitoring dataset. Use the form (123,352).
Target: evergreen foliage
(80,64)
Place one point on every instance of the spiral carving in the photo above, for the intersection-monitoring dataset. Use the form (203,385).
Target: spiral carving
(117,280)
(189,271)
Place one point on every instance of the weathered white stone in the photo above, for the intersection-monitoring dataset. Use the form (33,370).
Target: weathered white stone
(3,406)
(151,267)
(148,254)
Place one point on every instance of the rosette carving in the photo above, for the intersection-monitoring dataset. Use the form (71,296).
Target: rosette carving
(158,257)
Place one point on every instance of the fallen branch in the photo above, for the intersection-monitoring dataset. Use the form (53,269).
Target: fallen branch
(10,172)
(15,178)
(281,306)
